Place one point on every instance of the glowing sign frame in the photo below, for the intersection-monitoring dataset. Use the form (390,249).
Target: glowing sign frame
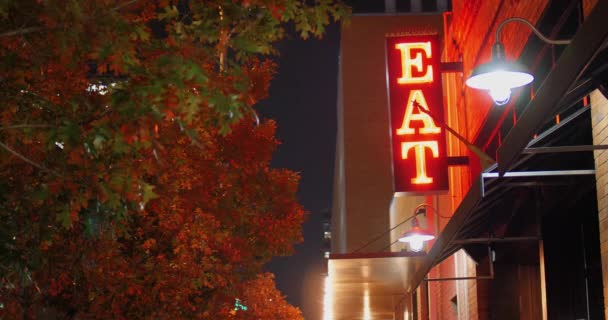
(418,140)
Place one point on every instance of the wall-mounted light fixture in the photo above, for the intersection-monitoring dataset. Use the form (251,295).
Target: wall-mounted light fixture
(500,76)
(416,236)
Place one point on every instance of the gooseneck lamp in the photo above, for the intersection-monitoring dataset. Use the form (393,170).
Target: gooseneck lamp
(416,236)
(500,76)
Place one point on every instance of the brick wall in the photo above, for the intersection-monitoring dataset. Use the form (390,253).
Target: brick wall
(469,38)
(472,34)
(439,292)
(447,290)
(599,122)
(588,5)
(442,294)
(471,289)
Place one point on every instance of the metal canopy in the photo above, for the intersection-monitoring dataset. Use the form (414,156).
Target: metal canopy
(492,192)
(481,207)
(573,62)
(369,285)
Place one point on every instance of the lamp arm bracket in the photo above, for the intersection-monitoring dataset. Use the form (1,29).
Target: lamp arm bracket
(384,234)
(424,205)
(378,237)
(485,158)
(536,31)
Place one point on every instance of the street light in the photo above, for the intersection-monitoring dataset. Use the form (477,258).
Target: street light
(416,236)
(499,76)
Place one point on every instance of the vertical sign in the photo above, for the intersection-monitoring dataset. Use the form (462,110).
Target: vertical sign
(418,138)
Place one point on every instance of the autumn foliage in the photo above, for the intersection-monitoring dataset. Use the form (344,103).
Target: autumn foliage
(264,301)
(135,179)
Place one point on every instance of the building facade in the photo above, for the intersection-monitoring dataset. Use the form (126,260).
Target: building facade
(521,229)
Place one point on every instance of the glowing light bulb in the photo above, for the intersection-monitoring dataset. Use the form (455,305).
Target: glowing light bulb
(416,244)
(499,78)
(500,95)
(416,238)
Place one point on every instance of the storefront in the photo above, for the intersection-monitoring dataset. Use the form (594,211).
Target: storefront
(521,239)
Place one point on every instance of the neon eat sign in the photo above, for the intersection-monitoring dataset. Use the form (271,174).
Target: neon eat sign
(418,140)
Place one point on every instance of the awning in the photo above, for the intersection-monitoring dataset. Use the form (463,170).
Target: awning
(368,286)
(588,42)
(493,198)
(523,160)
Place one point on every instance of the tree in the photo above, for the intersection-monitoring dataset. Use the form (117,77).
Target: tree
(134,182)
(263,301)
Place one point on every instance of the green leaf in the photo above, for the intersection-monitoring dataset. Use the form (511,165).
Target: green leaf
(91,224)
(197,283)
(98,142)
(142,33)
(118,180)
(194,72)
(104,51)
(64,217)
(70,132)
(41,193)
(170,13)
(148,193)
(119,146)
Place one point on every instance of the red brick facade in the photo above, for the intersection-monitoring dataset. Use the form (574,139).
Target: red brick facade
(470,37)
(470,32)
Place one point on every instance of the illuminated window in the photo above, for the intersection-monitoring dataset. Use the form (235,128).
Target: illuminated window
(326,254)
(327,235)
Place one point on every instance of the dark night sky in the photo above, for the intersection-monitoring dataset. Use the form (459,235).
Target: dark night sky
(303,102)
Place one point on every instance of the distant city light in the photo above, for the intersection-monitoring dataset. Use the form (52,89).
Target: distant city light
(99,88)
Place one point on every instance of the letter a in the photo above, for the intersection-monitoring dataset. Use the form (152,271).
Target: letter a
(409,116)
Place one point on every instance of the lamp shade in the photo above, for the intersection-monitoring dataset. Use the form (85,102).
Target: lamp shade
(416,237)
(498,77)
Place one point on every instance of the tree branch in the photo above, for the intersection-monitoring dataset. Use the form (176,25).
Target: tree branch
(126,4)
(486,159)
(93,118)
(36,29)
(20,32)
(19,126)
(24,158)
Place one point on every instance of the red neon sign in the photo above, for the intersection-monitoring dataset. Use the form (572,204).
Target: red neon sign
(418,139)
